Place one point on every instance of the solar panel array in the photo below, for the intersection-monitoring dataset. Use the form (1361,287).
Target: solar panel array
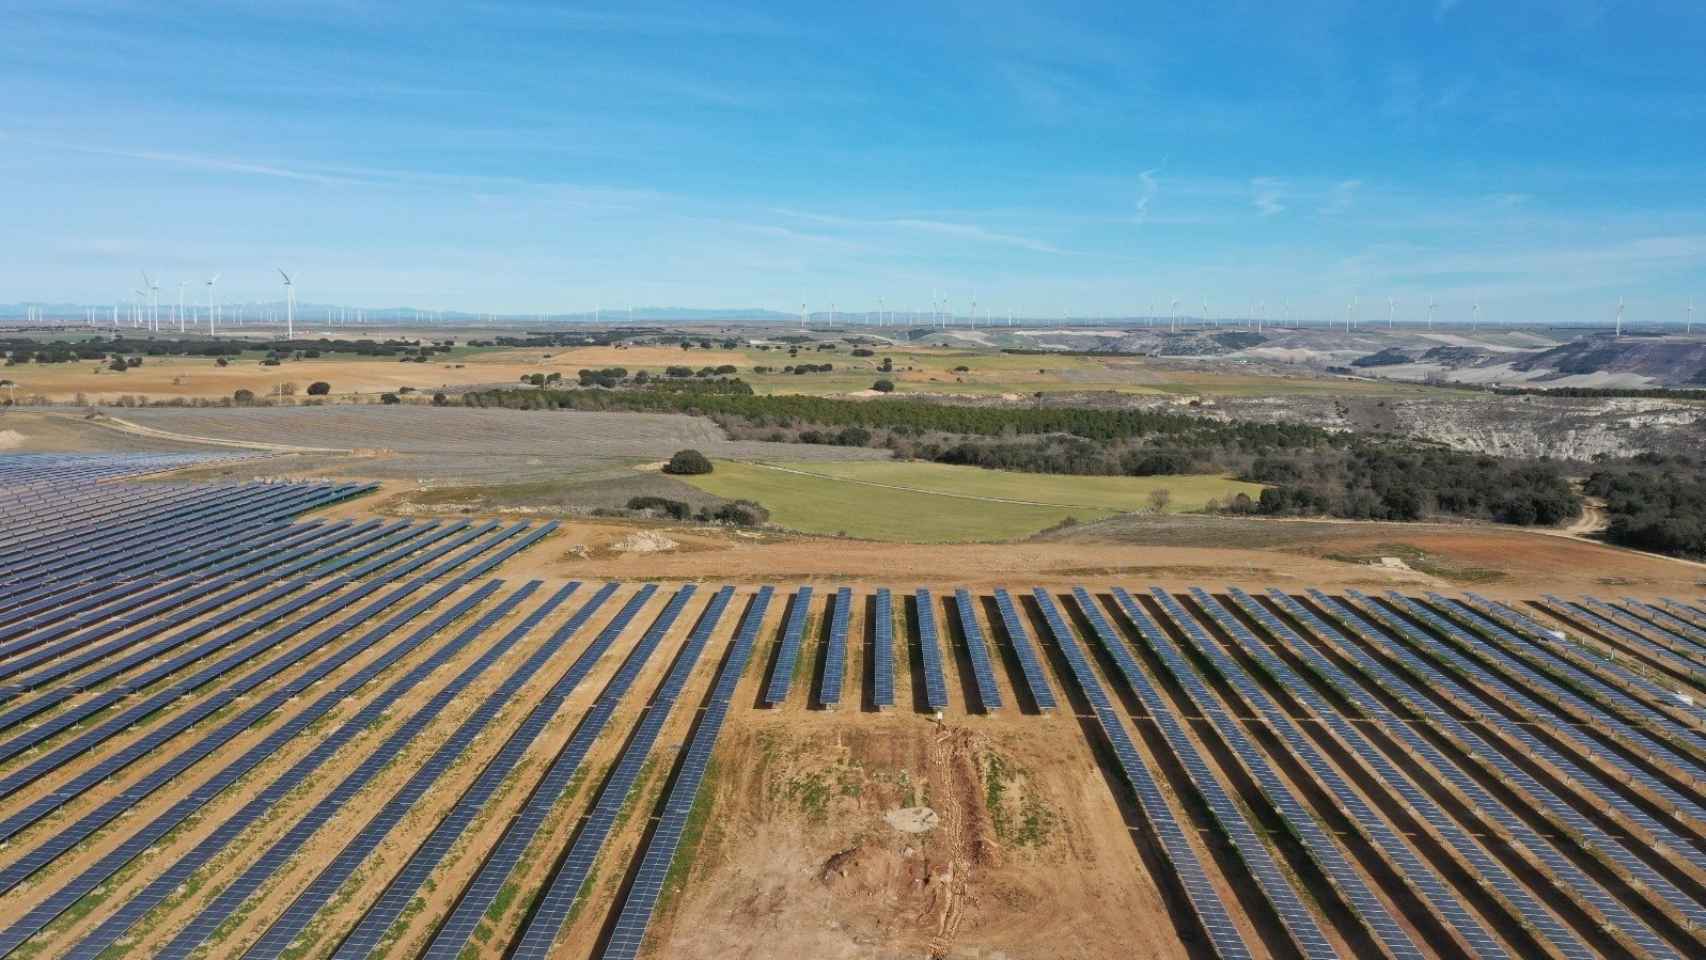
(1487,869)
(370,933)
(453,935)
(1287,901)
(1200,893)
(835,653)
(977,648)
(554,904)
(1564,872)
(930,652)
(1419,875)
(1583,829)
(788,654)
(1029,664)
(1485,767)
(882,650)
(635,913)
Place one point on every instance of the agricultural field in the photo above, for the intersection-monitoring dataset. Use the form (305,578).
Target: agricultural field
(255,719)
(933,503)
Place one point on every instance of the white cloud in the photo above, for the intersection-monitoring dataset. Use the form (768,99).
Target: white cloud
(1149,186)
(1341,196)
(1266,194)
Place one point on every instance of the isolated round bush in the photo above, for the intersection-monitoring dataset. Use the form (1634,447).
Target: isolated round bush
(390,398)
(883,386)
(319,388)
(244,396)
(687,463)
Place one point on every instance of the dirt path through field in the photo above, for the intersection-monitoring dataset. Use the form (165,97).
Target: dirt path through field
(138,429)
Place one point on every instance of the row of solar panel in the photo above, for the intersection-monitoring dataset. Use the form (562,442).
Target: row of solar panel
(1009,619)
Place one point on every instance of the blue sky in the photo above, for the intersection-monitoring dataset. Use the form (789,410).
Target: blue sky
(1541,158)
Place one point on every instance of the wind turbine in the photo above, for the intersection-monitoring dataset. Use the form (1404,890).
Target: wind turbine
(1205,312)
(289,307)
(153,301)
(1173,322)
(1475,316)
(181,285)
(1391,312)
(1431,305)
(1619,316)
(1690,328)
(210,308)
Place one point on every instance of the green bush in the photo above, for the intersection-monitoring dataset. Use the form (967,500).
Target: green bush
(687,463)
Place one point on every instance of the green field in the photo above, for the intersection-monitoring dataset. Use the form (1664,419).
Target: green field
(936,503)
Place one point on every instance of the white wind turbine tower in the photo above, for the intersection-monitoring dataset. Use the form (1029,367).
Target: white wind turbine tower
(181,285)
(136,309)
(1391,311)
(289,307)
(1619,316)
(1690,326)
(210,308)
(1475,316)
(1173,320)
(153,301)
(1431,305)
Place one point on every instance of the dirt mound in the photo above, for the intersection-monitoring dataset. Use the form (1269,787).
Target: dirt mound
(801,857)
(643,541)
(11,439)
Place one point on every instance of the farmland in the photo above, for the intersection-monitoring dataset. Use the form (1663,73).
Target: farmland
(927,502)
(288,728)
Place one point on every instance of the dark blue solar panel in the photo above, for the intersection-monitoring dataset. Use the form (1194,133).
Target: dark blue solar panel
(788,655)
(930,647)
(370,934)
(1200,892)
(983,671)
(1032,667)
(1585,830)
(835,654)
(552,909)
(882,650)
(1567,874)
(636,911)
(453,936)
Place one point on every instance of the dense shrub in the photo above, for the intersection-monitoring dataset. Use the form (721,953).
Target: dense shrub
(243,396)
(674,509)
(389,398)
(319,388)
(883,386)
(687,463)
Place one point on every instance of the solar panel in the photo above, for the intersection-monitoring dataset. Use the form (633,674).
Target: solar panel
(183,867)
(206,706)
(930,649)
(1228,816)
(370,934)
(553,906)
(635,913)
(1488,871)
(1580,827)
(285,848)
(983,672)
(1029,665)
(788,655)
(882,650)
(453,935)
(1590,779)
(1200,893)
(1602,705)
(1565,873)
(835,654)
